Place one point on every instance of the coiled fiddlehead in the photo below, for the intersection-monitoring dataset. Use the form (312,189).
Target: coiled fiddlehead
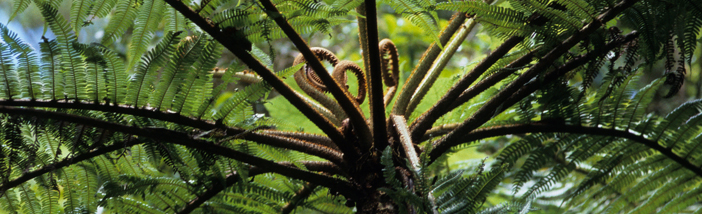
(339,74)
(391,63)
(310,83)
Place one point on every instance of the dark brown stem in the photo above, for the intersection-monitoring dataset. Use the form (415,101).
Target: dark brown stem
(312,138)
(342,96)
(487,111)
(425,121)
(170,136)
(488,132)
(226,40)
(376,78)
(278,141)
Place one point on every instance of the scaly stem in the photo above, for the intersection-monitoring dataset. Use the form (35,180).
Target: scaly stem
(439,65)
(405,141)
(425,63)
(376,79)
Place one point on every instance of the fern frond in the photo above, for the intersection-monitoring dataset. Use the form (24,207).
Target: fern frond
(18,7)
(149,15)
(123,18)
(175,73)
(102,8)
(27,69)
(9,86)
(141,82)
(195,92)
(79,13)
(75,84)
(51,76)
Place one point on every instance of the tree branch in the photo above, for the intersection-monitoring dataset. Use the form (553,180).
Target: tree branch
(166,135)
(342,96)
(487,111)
(323,123)
(488,132)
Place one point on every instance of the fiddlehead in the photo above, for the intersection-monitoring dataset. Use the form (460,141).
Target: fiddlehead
(391,63)
(339,74)
(310,83)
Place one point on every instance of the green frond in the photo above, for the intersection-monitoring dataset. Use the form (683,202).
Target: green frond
(79,13)
(102,8)
(195,92)
(174,74)
(9,86)
(682,201)
(419,14)
(27,68)
(18,7)
(123,18)
(233,104)
(72,67)
(29,202)
(207,7)
(147,20)
(141,83)
(389,169)
(175,21)
(50,66)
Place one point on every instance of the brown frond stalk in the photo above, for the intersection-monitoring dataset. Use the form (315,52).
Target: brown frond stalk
(405,141)
(225,39)
(390,68)
(439,65)
(301,145)
(312,138)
